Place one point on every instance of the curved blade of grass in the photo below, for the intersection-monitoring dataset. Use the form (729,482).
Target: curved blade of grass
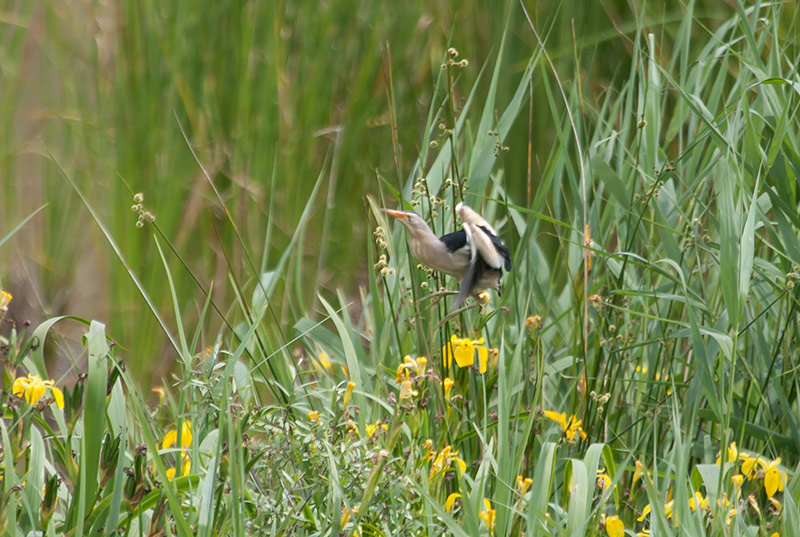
(19,226)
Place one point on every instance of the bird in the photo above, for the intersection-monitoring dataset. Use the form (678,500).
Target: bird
(474,255)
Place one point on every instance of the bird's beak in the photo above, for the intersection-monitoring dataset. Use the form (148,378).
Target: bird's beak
(400,215)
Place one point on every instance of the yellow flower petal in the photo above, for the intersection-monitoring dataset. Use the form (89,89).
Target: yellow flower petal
(422,362)
(348,392)
(448,385)
(172,436)
(186,434)
(488,515)
(461,465)
(483,358)
(614,526)
(772,481)
(19,387)
(170,473)
(645,512)
(325,362)
(464,352)
(448,504)
(558,417)
(603,480)
(523,484)
(169,439)
(58,396)
(407,390)
(637,473)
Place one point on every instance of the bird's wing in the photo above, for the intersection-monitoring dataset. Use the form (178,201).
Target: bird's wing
(501,248)
(455,241)
(483,238)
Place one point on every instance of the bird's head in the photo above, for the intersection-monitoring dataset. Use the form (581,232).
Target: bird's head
(413,222)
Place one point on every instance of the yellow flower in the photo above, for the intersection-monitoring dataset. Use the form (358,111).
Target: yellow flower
(352,428)
(448,503)
(427,445)
(33,388)
(698,502)
(186,467)
(172,436)
(348,392)
(729,516)
(733,454)
(637,473)
(463,350)
(668,508)
(370,429)
(749,468)
(447,383)
(532,323)
(774,477)
(603,481)
(488,515)
(737,480)
(776,504)
(346,514)
(407,390)
(614,526)
(645,532)
(160,392)
(409,364)
(422,362)
(570,427)
(523,484)
(460,348)
(444,460)
(5,298)
(323,363)
(483,297)
(313,416)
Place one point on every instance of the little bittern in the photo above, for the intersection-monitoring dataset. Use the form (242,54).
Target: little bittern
(474,255)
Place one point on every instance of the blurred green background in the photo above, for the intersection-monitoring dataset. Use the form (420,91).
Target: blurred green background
(272,96)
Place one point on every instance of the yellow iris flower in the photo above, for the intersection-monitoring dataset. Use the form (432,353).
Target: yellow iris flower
(571,426)
(463,350)
(170,439)
(33,388)
(488,516)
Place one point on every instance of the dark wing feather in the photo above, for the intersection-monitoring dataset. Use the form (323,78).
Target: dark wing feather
(454,241)
(502,248)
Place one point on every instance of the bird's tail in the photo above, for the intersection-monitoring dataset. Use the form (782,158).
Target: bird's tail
(469,281)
